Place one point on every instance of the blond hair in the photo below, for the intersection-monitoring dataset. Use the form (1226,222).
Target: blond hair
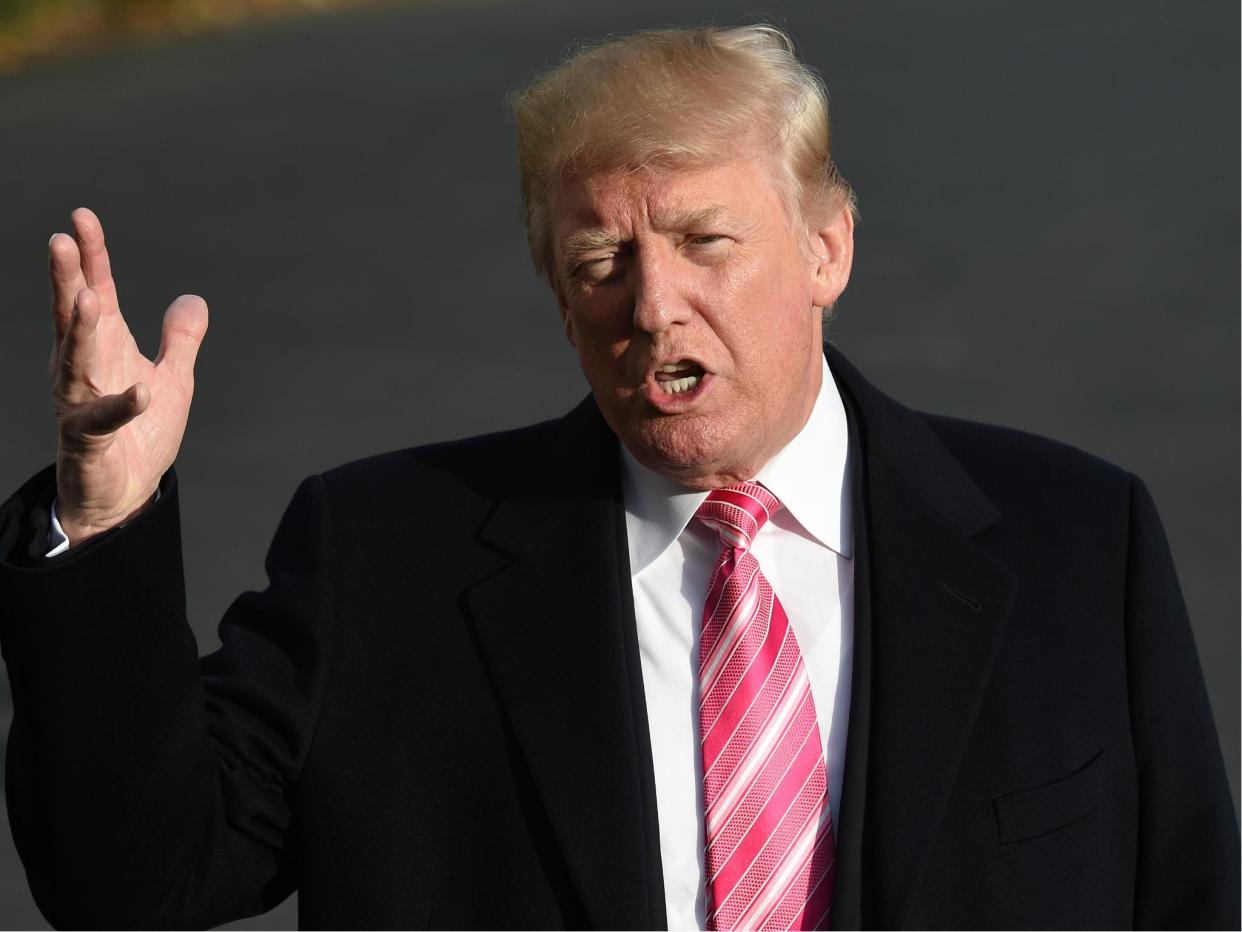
(675,98)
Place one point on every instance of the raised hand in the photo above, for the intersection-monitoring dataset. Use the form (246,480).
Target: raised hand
(121,415)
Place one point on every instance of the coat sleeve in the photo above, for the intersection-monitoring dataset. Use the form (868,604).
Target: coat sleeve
(146,787)
(1187,871)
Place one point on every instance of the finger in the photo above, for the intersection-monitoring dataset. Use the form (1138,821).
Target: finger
(89,233)
(185,325)
(75,380)
(105,415)
(65,271)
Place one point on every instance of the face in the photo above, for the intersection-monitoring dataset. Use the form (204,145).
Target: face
(695,308)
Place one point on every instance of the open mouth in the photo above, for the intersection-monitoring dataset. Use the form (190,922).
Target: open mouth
(676,377)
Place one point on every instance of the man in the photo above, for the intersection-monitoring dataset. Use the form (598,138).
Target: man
(738,642)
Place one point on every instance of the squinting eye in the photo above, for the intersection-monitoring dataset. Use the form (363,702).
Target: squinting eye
(704,239)
(595,270)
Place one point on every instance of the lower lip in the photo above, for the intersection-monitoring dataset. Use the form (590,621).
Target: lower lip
(668,403)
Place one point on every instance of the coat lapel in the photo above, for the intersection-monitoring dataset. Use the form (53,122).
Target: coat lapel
(556,630)
(935,607)
(847,900)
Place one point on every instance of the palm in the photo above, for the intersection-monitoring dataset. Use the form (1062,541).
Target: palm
(143,449)
(148,445)
(122,416)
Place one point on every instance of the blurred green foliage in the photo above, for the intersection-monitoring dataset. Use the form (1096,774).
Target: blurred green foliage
(33,28)
(11,9)
(107,9)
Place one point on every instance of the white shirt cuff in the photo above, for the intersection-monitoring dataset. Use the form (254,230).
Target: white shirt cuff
(57,540)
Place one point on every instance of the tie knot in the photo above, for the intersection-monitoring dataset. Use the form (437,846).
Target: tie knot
(737,512)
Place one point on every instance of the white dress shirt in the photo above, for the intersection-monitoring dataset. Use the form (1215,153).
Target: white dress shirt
(806,552)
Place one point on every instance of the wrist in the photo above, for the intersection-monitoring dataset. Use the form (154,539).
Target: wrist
(79,528)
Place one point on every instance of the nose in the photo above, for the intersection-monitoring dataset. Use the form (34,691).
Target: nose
(660,300)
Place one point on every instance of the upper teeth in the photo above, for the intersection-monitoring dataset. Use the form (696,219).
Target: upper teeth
(675,366)
(674,386)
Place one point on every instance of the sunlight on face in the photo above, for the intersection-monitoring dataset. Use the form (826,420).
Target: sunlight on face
(692,303)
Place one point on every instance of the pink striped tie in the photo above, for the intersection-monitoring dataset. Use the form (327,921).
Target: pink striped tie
(769,852)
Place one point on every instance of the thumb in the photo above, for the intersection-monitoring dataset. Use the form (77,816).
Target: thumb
(185,325)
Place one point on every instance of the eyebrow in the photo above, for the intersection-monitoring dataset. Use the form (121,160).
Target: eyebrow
(689,218)
(582,242)
(579,243)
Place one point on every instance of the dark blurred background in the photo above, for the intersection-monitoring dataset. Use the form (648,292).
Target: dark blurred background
(1050,240)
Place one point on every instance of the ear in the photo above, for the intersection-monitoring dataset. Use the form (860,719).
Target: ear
(833,248)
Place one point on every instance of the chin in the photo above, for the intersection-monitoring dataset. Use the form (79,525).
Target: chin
(689,449)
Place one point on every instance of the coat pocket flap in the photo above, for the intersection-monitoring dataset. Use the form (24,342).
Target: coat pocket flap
(1044,809)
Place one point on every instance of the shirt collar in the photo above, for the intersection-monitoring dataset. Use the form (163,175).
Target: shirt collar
(809,475)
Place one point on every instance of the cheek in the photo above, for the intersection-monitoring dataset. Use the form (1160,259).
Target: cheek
(770,317)
(602,317)
(599,336)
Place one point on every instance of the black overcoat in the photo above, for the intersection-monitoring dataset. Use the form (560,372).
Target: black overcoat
(434,714)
